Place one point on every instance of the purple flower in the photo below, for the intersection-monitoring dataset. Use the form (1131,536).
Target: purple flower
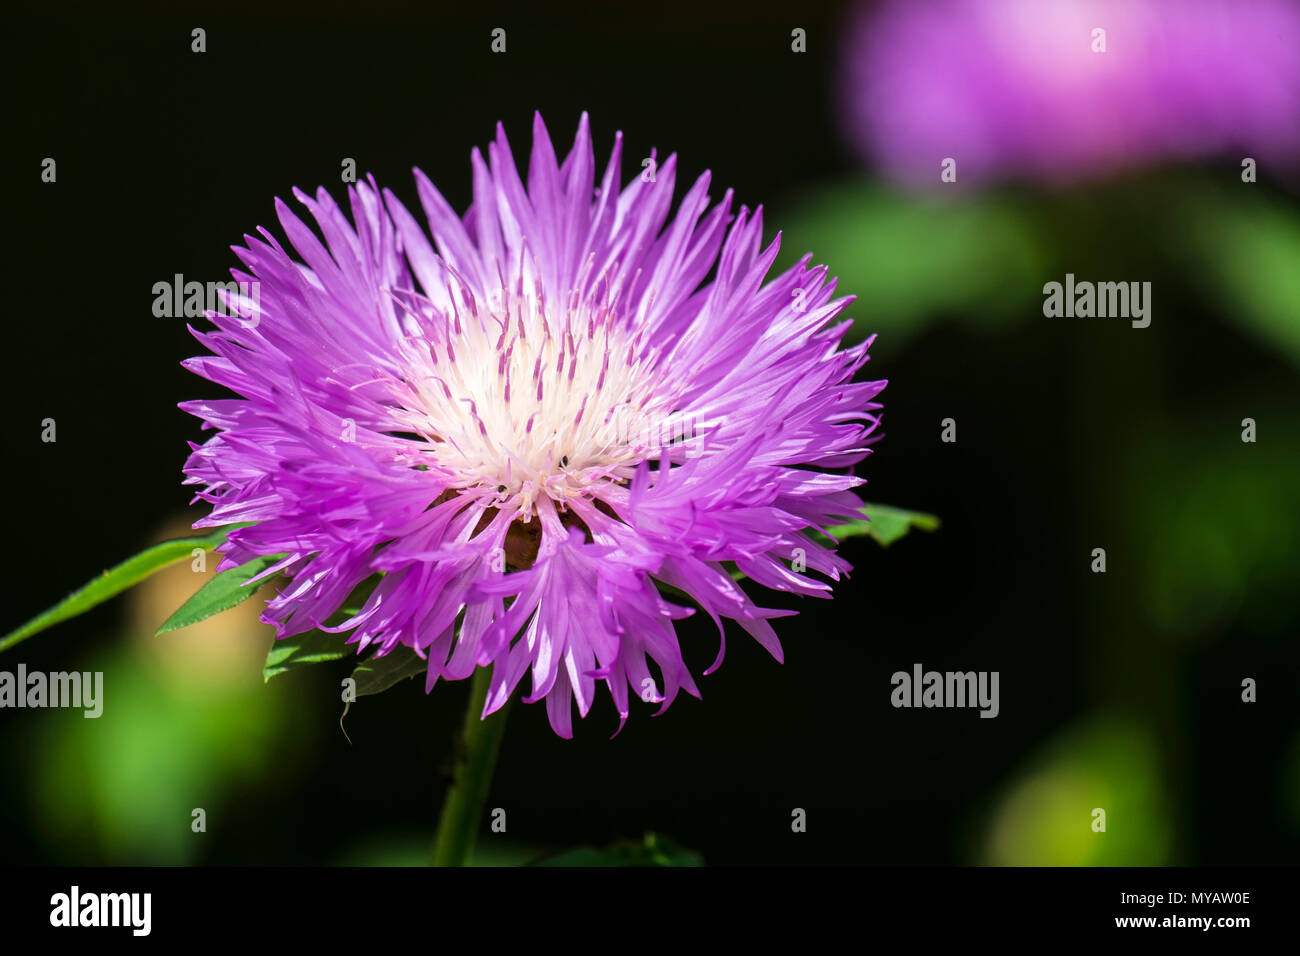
(532,422)
(1022,88)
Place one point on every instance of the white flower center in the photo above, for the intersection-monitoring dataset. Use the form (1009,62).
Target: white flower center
(525,404)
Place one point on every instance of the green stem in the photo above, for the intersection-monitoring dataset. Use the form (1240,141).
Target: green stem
(462,808)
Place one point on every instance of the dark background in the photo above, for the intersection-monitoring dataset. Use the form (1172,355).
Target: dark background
(165,158)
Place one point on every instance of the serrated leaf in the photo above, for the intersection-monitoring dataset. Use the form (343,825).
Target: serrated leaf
(652,851)
(319,647)
(220,594)
(886,524)
(377,674)
(116,580)
(313,647)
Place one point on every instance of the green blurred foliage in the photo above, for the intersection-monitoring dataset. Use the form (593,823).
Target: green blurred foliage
(1217,529)
(1244,248)
(982,258)
(910,258)
(1045,815)
(121,789)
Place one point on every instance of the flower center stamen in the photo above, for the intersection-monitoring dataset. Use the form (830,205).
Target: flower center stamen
(523,404)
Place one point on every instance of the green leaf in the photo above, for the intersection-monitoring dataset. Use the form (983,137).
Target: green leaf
(377,674)
(313,647)
(116,580)
(319,647)
(652,851)
(220,594)
(886,524)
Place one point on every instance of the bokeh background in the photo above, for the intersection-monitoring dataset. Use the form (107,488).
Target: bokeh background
(1119,690)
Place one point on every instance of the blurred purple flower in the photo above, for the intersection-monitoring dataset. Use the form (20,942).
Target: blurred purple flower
(1013,88)
(531,421)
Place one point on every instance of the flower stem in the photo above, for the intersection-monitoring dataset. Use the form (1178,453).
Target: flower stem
(476,758)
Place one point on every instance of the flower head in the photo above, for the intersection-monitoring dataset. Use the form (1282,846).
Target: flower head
(1065,89)
(532,423)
